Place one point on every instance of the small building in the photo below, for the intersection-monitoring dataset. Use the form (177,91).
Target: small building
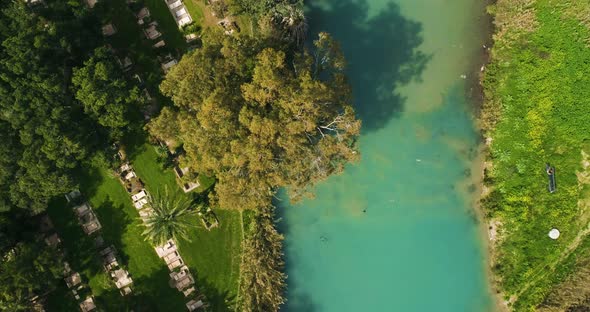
(125,64)
(194,304)
(53,240)
(73,280)
(160,44)
(152,31)
(166,66)
(87,305)
(109,30)
(73,195)
(190,38)
(34,2)
(179,12)
(142,14)
(186,186)
(91,3)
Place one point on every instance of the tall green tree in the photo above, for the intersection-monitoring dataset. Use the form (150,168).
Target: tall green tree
(28,270)
(165,127)
(260,119)
(44,129)
(277,19)
(290,21)
(103,91)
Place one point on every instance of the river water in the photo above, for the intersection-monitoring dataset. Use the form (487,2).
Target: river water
(397,232)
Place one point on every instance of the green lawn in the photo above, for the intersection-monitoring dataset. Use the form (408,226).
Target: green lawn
(213,256)
(540,85)
(121,227)
(195,11)
(166,24)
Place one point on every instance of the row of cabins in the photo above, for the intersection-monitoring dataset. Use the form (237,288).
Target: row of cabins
(180,276)
(76,286)
(111,264)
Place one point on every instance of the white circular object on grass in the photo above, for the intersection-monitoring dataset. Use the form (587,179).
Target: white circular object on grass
(554,233)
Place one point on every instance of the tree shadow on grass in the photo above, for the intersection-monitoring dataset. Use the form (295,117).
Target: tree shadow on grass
(90,179)
(153,293)
(79,247)
(218,301)
(114,222)
(381,50)
(135,143)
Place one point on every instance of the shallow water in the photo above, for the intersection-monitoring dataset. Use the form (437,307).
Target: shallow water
(396,232)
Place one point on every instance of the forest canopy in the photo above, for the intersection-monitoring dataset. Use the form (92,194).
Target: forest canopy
(58,107)
(259,118)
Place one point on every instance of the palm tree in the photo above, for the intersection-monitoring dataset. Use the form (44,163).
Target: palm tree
(169,219)
(291,19)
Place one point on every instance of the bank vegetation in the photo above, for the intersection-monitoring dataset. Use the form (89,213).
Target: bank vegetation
(536,112)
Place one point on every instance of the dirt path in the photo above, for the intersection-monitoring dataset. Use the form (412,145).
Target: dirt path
(550,267)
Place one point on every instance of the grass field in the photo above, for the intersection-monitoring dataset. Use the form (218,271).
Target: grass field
(538,83)
(121,227)
(214,255)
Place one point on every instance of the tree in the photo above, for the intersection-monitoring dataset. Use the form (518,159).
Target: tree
(169,219)
(29,269)
(291,22)
(8,166)
(165,126)
(44,130)
(262,281)
(252,7)
(259,119)
(101,88)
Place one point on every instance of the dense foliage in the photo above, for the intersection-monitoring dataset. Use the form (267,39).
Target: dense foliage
(279,19)
(258,119)
(101,88)
(45,130)
(28,267)
(537,98)
(262,280)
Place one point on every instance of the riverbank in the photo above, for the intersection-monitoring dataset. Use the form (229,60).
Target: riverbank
(536,99)
(476,95)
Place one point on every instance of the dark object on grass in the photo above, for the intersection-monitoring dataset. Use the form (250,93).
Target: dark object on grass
(551,174)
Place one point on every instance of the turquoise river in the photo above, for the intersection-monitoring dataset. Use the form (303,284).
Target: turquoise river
(397,231)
